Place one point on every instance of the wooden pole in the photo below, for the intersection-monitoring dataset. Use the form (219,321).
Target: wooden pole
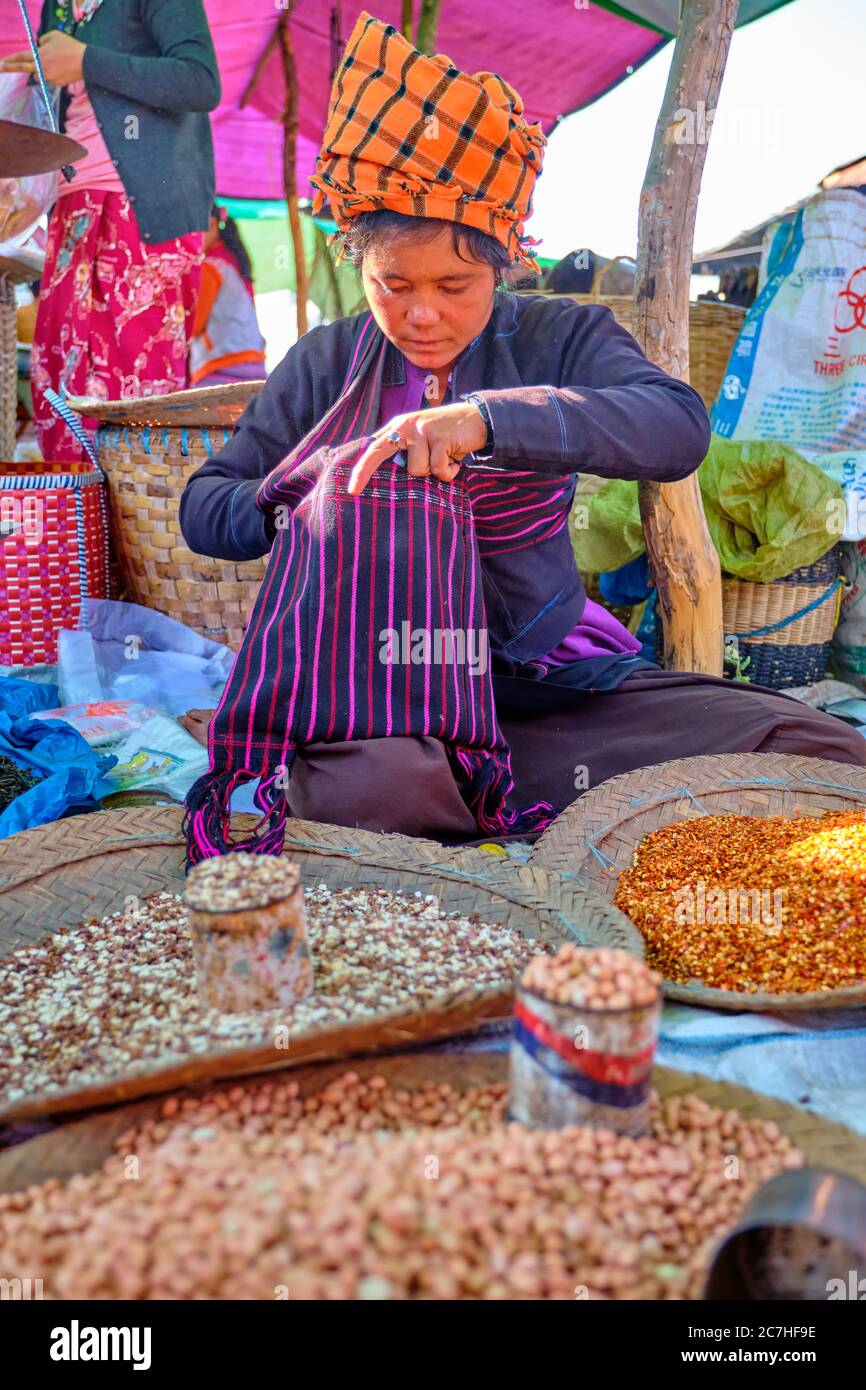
(290,168)
(682,557)
(428,23)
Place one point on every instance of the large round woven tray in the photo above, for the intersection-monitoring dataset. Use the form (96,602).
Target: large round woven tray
(595,838)
(82,1146)
(89,866)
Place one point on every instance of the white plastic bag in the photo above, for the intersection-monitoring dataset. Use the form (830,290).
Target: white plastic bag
(134,653)
(23,201)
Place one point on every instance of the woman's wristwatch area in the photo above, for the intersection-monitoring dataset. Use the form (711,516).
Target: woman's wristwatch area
(481,405)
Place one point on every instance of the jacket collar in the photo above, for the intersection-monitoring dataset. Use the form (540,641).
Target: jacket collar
(394,368)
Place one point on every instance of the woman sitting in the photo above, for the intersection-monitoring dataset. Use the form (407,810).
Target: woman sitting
(227,345)
(429,173)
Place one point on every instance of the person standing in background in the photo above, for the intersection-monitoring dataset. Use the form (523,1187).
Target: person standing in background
(227,345)
(126,235)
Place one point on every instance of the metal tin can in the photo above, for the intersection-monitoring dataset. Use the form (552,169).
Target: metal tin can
(573,1065)
(802,1236)
(254,954)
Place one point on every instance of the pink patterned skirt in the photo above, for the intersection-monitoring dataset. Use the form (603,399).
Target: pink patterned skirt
(115,315)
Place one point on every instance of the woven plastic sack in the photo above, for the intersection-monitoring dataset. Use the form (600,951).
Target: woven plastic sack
(797,373)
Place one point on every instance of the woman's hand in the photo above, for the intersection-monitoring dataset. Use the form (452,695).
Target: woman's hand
(18,62)
(61,55)
(435,441)
(62,58)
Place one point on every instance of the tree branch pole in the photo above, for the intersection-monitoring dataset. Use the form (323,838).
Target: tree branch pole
(259,68)
(290,168)
(682,557)
(428,24)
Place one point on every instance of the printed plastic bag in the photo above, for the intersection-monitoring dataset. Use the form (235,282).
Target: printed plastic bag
(159,755)
(102,722)
(797,373)
(23,201)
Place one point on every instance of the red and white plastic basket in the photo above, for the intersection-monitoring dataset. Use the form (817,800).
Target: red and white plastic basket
(53,555)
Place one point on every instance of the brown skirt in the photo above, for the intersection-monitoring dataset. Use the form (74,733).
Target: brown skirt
(404,785)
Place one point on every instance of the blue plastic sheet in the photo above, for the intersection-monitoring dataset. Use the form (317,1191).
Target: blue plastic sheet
(73,776)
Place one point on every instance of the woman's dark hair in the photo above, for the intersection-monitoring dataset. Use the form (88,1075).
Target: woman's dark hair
(231,240)
(373,228)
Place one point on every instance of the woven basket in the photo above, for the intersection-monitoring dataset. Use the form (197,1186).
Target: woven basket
(8,367)
(78,869)
(53,555)
(148,454)
(595,838)
(713,330)
(786,628)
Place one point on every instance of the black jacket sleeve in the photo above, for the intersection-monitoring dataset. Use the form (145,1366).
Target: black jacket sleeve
(218,512)
(185,76)
(610,412)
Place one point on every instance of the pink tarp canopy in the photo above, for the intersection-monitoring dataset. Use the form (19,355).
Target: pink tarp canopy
(559,56)
(591,50)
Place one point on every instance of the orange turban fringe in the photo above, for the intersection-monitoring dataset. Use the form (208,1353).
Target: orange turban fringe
(413,134)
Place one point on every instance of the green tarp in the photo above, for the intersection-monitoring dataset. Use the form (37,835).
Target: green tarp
(663,15)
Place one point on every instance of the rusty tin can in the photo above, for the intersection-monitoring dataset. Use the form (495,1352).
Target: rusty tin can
(249,933)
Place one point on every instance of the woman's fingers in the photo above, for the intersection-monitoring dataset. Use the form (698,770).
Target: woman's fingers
(18,62)
(435,441)
(376,453)
(417,452)
(443,465)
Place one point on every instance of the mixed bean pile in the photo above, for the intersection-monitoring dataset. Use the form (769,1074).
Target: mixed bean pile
(367,1192)
(750,904)
(118,996)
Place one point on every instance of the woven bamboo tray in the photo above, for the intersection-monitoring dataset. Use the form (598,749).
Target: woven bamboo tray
(595,838)
(87,866)
(82,1146)
(204,406)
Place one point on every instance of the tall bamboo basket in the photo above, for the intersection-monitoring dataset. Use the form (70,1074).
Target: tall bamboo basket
(713,330)
(149,449)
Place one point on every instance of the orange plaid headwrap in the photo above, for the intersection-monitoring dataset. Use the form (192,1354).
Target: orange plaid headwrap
(415,135)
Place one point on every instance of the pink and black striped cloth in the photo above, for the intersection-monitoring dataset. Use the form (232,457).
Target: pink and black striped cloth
(401,558)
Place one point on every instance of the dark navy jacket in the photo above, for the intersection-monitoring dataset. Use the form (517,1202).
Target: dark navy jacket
(568,392)
(153,61)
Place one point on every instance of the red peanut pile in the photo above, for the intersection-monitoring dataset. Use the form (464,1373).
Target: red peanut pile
(367,1192)
(605,978)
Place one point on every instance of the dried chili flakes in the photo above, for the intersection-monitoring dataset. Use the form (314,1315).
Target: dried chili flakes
(750,904)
